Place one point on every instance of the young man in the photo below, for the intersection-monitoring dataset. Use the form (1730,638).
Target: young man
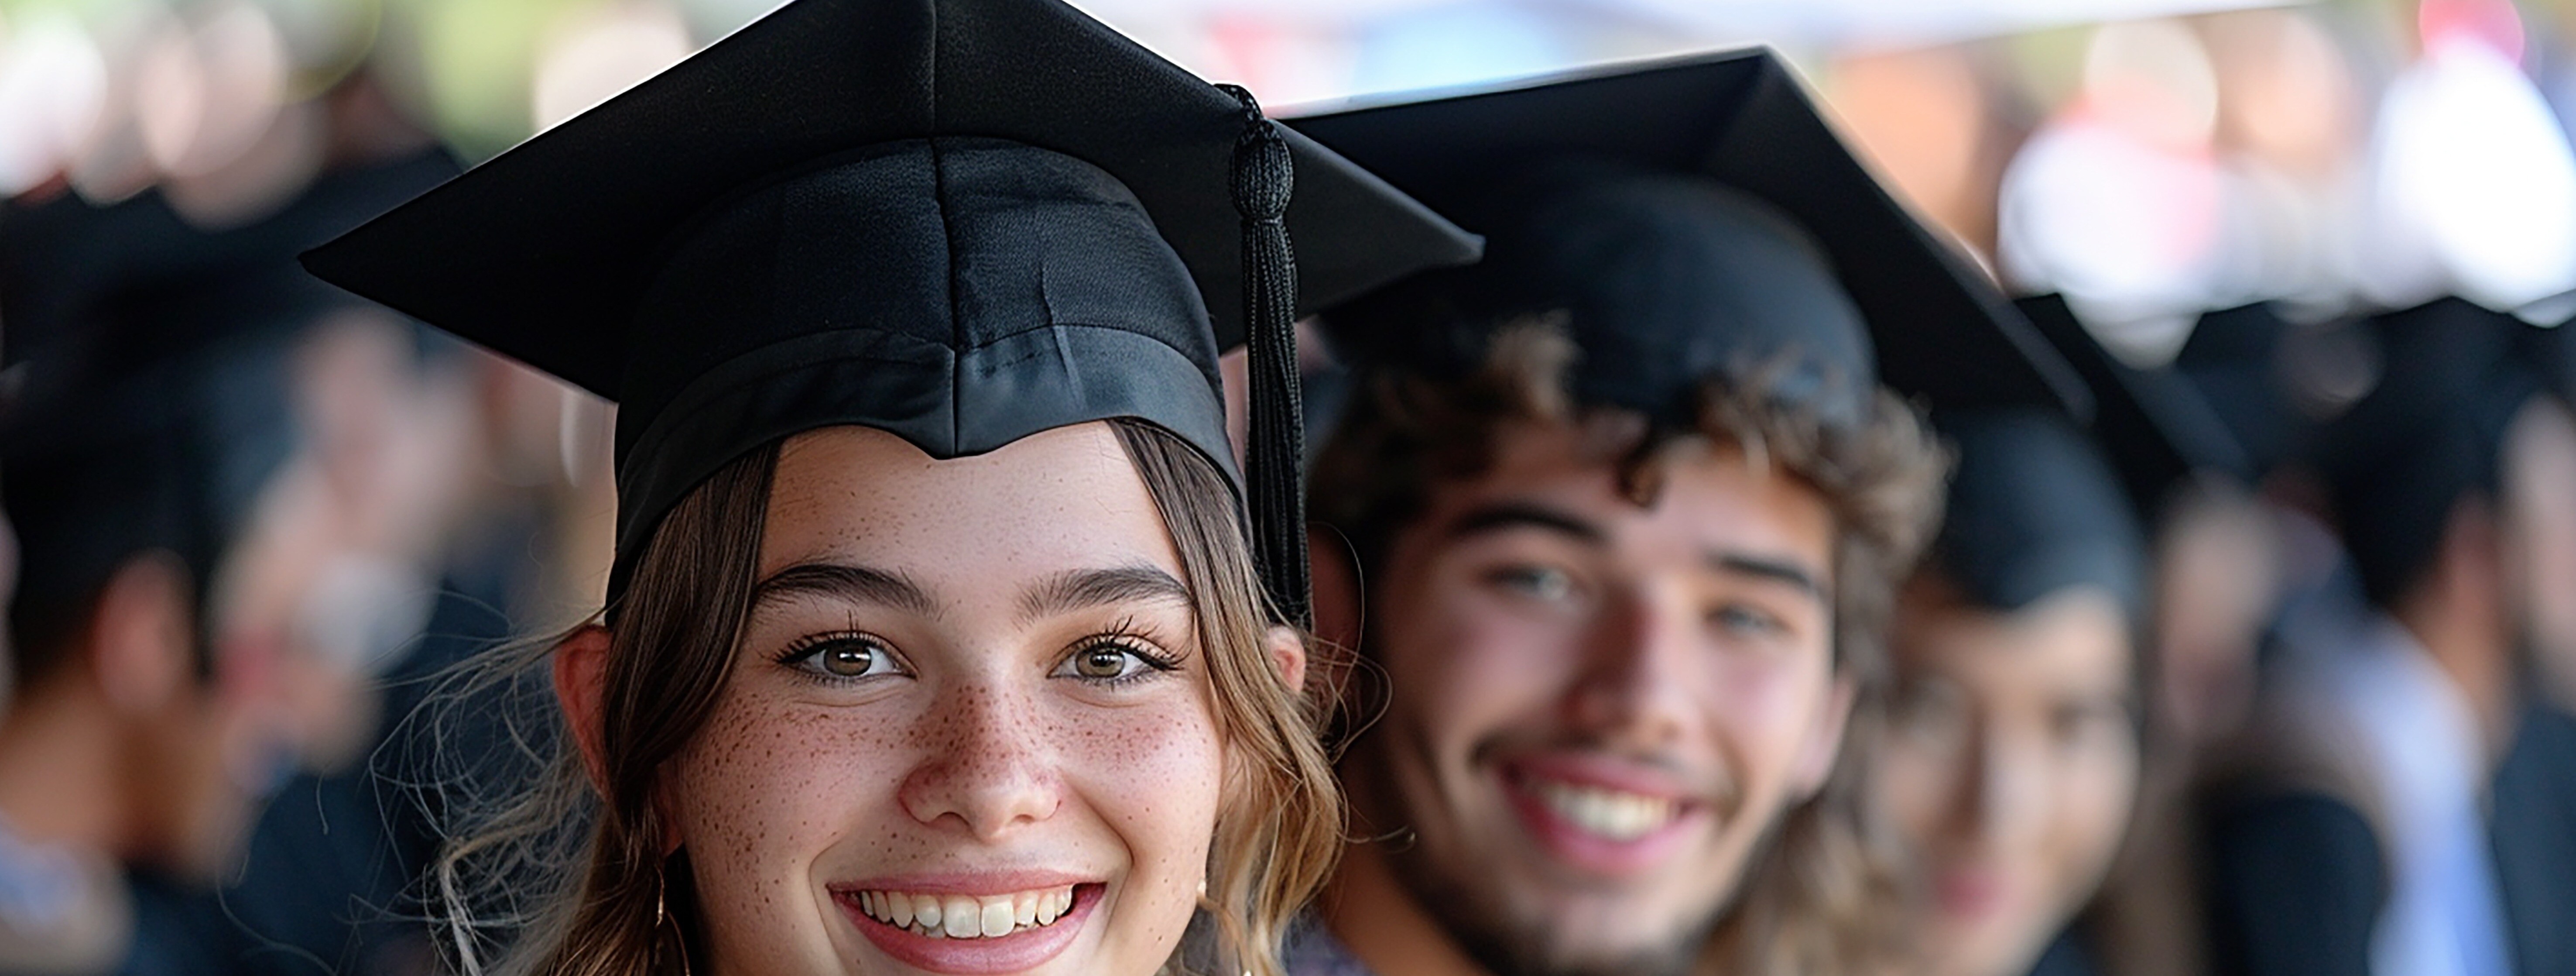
(1628,517)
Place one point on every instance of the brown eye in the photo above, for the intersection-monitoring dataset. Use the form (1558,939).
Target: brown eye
(848,660)
(1112,663)
(842,658)
(1101,662)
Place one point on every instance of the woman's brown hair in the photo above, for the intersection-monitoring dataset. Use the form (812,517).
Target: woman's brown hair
(561,879)
(1817,901)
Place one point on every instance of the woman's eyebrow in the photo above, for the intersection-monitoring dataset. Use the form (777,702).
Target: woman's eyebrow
(1080,588)
(857,584)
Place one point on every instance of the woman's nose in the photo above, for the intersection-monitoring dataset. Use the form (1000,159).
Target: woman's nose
(984,764)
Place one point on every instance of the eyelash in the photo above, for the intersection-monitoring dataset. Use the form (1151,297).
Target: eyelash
(1127,638)
(805,648)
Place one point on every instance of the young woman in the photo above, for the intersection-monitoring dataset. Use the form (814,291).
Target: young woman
(933,642)
(2011,754)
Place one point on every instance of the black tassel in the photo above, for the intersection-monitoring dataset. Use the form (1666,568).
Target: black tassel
(1263,181)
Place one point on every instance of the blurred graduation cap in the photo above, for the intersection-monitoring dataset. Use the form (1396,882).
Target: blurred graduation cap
(152,367)
(2153,425)
(959,221)
(1691,216)
(2429,434)
(2238,359)
(2034,509)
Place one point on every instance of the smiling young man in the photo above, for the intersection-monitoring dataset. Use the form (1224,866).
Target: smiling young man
(1629,502)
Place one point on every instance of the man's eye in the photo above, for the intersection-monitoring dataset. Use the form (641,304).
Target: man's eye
(1737,618)
(1542,582)
(842,658)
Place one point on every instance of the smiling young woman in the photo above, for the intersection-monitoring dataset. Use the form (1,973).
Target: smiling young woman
(943,722)
(934,640)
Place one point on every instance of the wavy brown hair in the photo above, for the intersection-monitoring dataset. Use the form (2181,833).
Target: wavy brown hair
(557,878)
(1818,899)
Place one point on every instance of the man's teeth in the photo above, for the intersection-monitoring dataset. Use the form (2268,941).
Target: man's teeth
(967,916)
(1615,814)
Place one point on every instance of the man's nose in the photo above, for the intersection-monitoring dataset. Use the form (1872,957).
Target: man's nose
(1638,667)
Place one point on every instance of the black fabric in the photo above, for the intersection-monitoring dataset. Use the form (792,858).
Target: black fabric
(2532,826)
(2153,424)
(2429,435)
(2240,360)
(960,221)
(1696,217)
(2296,882)
(2035,510)
(2065,957)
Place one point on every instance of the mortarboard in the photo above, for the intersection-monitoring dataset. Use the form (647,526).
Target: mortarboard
(959,221)
(1690,216)
(2428,434)
(2034,508)
(152,363)
(2240,360)
(2152,424)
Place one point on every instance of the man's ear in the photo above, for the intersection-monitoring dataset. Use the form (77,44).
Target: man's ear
(581,685)
(142,634)
(1825,742)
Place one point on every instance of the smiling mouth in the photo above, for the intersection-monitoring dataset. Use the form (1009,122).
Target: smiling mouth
(1610,814)
(965,916)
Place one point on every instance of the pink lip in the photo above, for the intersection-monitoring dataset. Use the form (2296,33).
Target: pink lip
(972,884)
(1970,892)
(1013,953)
(1588,852)
(1601,772)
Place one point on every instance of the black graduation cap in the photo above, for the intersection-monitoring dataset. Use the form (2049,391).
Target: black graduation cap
(2152,423)
(1691,216)
(2239,360)
(959,221)
(2429,434)
(152,364)
(2034,508)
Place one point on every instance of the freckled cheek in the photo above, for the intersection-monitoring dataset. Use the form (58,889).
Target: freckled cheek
(768,787)
(1154,774)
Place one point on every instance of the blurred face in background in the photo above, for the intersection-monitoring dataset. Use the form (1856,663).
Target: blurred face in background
(2009,767)
(2217,578)
(1599,709)
(2540,508)
(325,584)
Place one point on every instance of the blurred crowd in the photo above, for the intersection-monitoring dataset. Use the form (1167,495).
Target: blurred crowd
(2330,246)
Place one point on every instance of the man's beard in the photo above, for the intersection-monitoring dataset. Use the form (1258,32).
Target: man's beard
(1476,921)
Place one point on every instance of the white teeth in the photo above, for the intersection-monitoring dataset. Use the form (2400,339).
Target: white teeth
(1614,814)
(966,916)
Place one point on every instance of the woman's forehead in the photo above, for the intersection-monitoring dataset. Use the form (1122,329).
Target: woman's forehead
(1068,498)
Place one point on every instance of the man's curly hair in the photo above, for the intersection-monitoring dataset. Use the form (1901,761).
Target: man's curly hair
(1817,900)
